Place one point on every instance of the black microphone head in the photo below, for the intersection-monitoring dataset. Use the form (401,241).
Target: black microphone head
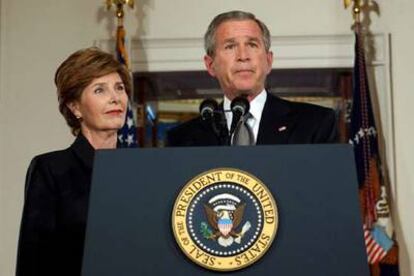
(207,108)
(240,105)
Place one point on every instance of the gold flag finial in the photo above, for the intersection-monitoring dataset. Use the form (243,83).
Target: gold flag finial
(347,3)
(119,4)
(356,10)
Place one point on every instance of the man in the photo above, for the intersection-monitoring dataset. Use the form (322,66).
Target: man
(238,55)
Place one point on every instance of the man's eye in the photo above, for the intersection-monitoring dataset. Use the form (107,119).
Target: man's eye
(229,46)
(253,45)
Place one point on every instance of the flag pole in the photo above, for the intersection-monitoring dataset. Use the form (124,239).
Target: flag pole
(381,246)
(127,135)
(119,13)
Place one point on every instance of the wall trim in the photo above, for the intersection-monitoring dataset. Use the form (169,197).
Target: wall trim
(186,54)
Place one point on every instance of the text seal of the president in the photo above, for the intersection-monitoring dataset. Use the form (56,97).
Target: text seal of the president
(225,219)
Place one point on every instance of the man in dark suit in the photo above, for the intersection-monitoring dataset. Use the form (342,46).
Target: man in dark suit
(238,55)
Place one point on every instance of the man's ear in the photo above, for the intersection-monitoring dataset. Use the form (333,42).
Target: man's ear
(208,62)
(269,59)
(74,107)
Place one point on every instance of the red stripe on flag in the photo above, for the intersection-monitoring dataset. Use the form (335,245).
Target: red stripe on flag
(370,245)
(374,251)
(377,255)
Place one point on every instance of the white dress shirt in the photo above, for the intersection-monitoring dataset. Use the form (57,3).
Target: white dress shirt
(256,109)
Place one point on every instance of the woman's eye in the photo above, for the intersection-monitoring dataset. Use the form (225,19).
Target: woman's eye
(98,90)
(120,88)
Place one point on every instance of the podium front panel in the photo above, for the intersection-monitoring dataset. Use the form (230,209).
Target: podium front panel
(133,192)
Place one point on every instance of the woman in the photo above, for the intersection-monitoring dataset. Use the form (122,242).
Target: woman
(93,91)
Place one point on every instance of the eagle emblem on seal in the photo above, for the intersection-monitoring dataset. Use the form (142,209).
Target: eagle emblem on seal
(224,214)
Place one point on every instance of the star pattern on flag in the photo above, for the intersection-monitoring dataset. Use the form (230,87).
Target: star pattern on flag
(129,122)
(121,138)
(363,132)
(127,135)
(130,139)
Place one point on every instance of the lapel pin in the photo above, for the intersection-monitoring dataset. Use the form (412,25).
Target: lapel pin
(282,128)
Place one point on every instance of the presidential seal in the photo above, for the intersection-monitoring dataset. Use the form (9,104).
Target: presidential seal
(224,219)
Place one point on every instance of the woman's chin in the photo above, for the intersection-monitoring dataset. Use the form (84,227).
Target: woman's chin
(116,124)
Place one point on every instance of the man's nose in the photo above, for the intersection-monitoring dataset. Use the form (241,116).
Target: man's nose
(242,53)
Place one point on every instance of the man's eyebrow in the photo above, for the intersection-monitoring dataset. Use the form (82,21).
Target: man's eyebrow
(229,40)
(256,39)
(249,38)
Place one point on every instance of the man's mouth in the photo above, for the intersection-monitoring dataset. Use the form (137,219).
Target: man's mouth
(244,71)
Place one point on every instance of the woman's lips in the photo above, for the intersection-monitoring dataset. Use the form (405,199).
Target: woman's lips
(114,112)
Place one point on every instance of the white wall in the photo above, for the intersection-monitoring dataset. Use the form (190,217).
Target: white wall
(35,36)
(398,18)
(2,179)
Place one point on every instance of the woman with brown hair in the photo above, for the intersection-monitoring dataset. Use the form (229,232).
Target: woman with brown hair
(93,90)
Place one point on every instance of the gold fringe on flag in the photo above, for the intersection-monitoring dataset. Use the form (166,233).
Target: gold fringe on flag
(120,45)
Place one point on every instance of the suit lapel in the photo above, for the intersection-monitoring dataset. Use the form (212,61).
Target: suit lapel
(83,150)
(274,125)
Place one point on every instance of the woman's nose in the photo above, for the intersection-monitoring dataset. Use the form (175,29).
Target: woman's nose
(115,97)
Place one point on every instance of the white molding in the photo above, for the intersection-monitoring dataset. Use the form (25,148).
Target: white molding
(313,51)
(182,54)
(382,74)
(167,54)
(186,54)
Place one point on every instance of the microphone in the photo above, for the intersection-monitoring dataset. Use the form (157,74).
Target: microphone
(212,116)
(207,109)
(239,106)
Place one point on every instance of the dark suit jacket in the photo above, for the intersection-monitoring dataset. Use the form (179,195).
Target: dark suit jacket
(55,210)
(282,122)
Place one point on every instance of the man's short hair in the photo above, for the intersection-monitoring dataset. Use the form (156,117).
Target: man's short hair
(210,36)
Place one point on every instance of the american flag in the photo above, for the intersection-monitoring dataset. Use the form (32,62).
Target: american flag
(377,243)
(127,135)
(363,137)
